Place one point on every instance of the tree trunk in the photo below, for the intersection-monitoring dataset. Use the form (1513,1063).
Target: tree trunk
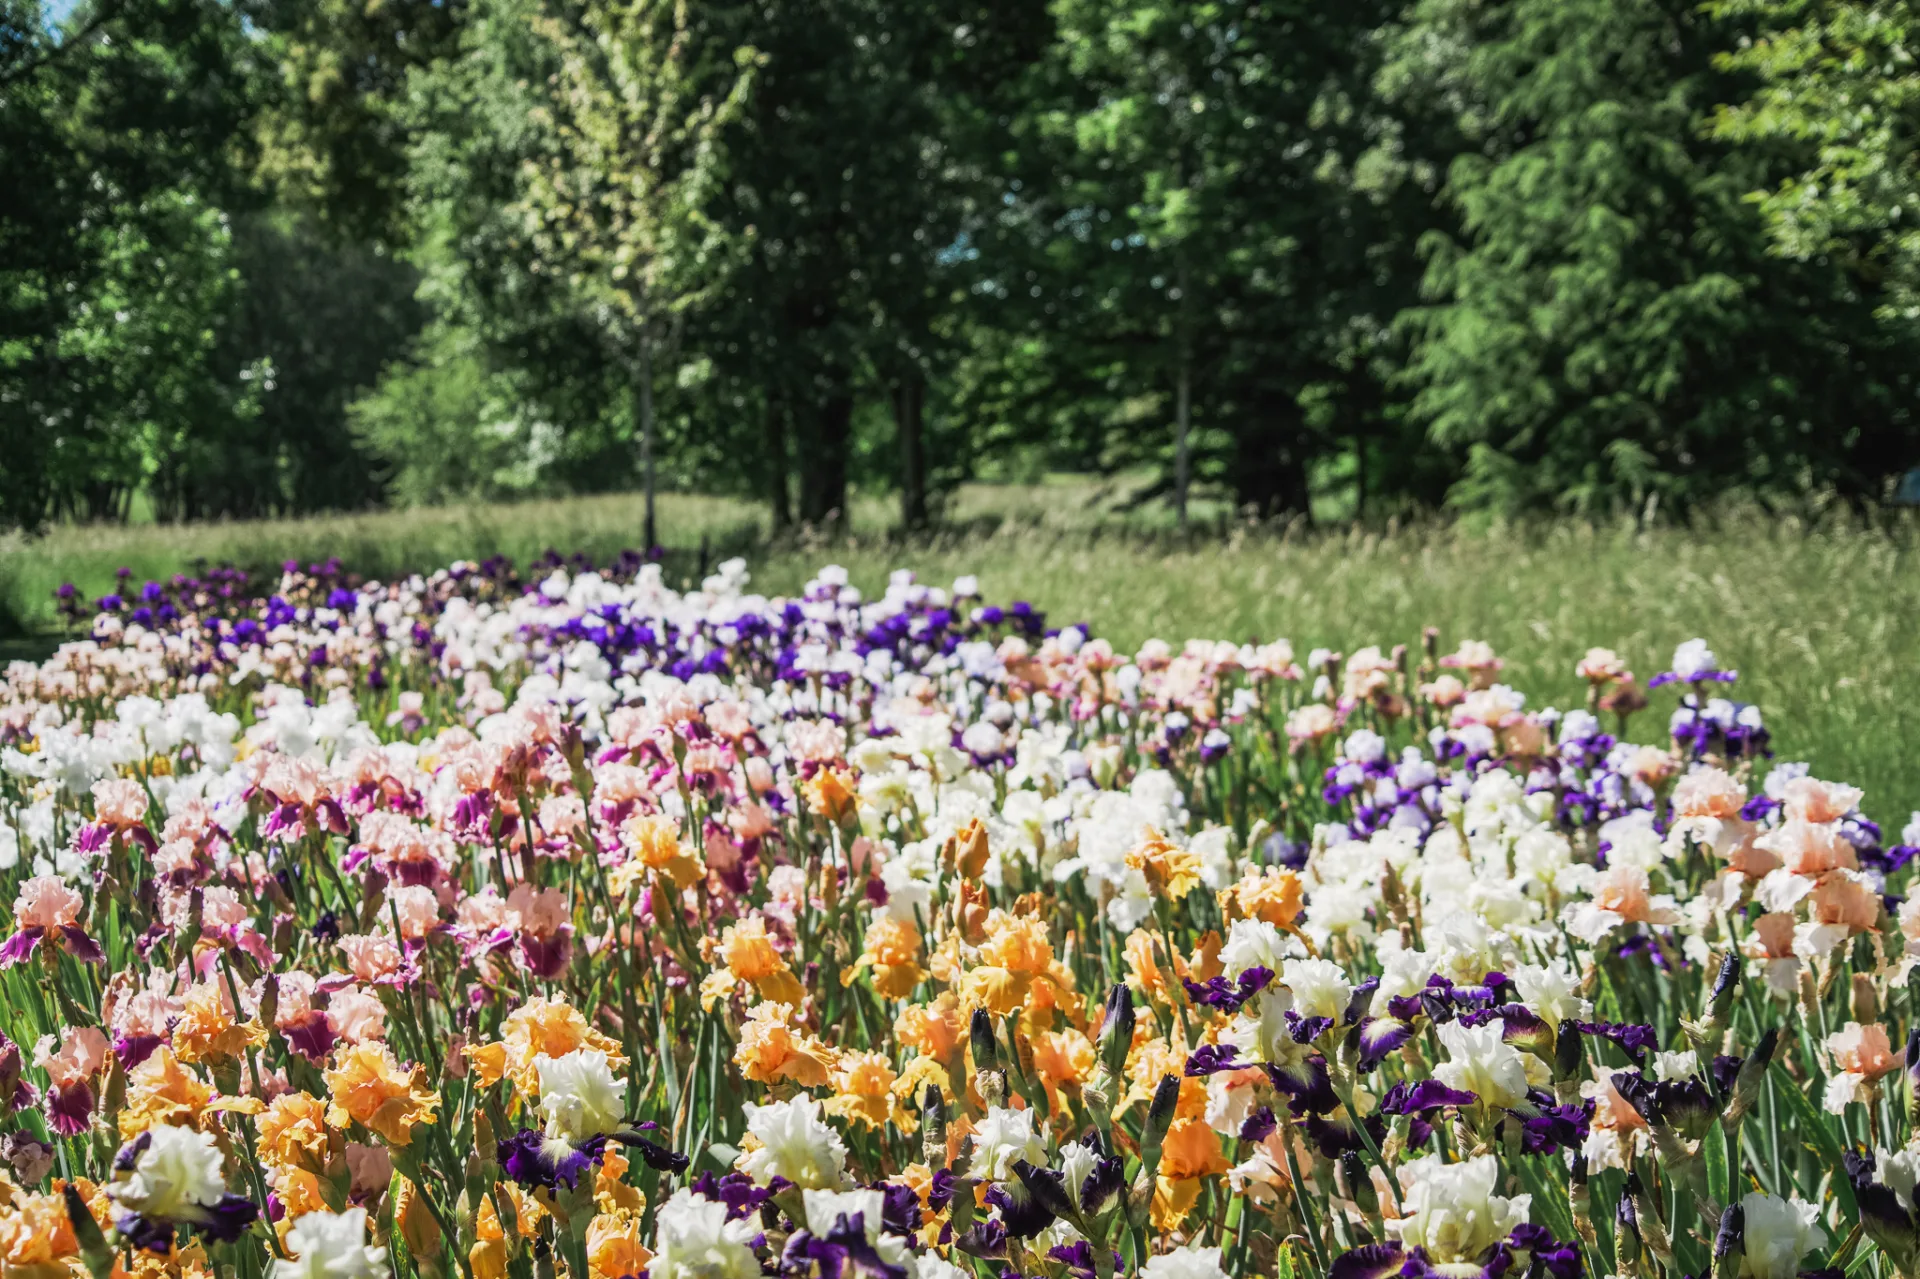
(909,401)
(823,456)
(646,434)
(774,439)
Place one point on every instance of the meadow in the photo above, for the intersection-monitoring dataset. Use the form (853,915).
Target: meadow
(1822,618)
(614,929)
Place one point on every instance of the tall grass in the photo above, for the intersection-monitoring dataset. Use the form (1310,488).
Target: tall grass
(377,544)
(1822,621)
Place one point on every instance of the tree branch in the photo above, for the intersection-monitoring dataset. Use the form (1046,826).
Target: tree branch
(107,12)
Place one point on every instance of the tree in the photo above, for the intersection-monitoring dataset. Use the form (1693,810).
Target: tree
(1186,246)
(336,133)
(1606,328)
(1836,92)
(310,319)
(116,130)
(583,201)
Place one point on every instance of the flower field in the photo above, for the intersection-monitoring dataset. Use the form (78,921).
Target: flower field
(466,926)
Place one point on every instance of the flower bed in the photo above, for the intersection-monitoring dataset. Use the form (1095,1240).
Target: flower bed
(462,925)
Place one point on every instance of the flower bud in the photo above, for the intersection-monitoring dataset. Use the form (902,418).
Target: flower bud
(1646,1221)
(1865,1001)
(1626,1229)
(1019,1049)
(986,1058)
(196,915)
(933,1118)
(1730,1243)
(416,1222)
(12,1065)
(1116,1029)
(86,1232)
(1725,984)
(1580,1196)
(967,850)
(1751,1076)
(1913,1078)
(1360,1183)
(1568,1057)
(269,999)
(484,1139)
(1166,1099)
(986,1049)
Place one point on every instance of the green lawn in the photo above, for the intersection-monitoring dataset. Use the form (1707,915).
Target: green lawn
(1823,623)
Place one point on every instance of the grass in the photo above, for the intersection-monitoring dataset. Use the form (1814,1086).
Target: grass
(379,544)
(1822,621)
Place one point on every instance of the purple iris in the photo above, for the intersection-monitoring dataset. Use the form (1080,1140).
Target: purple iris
(1023,1214)
(1218,992)
(1556,1128)
(1683,1105)
(738,1192)
(1529,1250)
(842,1253)
(1259,1125)
(1078,1259)
(1212,1059)
(1420,1103)
(656,1156)
(1519,1025)
(1380,1037)
(535,1161)
(1636,1041)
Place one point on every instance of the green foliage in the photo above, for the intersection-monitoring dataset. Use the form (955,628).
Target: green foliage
(308,325)
(448,428)
(1315,261)
(113,258)
(334,137)
(1816,617)
(1189,210)
(1836,91)
(1606,327)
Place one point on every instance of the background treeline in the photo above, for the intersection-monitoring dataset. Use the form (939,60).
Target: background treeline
(276,256)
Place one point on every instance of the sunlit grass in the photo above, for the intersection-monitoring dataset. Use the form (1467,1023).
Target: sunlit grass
(1823,622)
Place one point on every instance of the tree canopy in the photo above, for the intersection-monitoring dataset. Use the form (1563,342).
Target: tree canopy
(264,256)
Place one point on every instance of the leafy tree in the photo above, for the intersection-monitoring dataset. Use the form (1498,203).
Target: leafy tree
(308,322)
(116,130)
(584,200)
(446,426)
(1837,95)
(336,134)
(1606,328)
(1186,247)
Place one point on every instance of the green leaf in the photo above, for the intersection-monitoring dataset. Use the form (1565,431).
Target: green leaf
(1719,1175)
(1549,1196)
(1283,1263)
(1819,1135)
